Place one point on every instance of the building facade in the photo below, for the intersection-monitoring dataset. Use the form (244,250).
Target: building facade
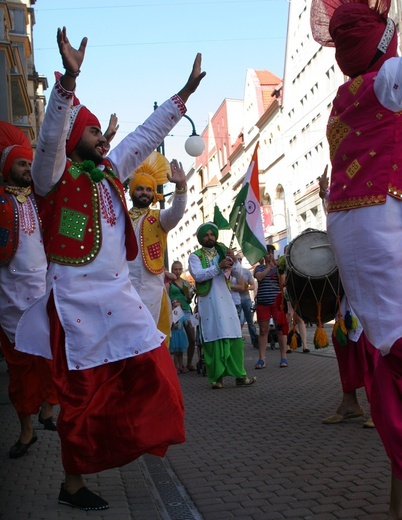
(291,131)
(22,100)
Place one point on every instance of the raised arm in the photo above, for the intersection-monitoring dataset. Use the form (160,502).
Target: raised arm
(171,217)
(72,59)
(50,158)
(193,81)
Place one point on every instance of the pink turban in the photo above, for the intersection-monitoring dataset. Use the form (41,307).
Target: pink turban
(361,33)
(14,144)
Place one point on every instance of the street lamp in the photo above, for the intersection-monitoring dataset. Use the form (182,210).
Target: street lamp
(194,145)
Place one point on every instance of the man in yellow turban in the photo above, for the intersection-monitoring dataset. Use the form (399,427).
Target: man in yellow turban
(151,226)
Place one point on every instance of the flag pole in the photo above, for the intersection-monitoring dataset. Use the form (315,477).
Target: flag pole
(236,224)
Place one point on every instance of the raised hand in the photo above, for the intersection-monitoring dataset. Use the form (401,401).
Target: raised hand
(194,79)
(72,58)
(177,175)
(111,130)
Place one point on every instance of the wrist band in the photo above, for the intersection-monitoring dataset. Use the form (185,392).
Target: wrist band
(73,74)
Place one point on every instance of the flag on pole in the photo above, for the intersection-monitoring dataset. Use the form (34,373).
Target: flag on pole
(245,217)
(219,219)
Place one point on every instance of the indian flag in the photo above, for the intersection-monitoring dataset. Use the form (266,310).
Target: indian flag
(245,217)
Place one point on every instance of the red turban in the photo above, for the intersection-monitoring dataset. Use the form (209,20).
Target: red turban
(80,118)
(355,29)
(14,144)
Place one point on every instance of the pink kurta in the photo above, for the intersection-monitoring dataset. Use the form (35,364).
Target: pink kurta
(367,240)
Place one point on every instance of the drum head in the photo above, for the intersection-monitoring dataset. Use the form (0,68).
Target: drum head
(310,254)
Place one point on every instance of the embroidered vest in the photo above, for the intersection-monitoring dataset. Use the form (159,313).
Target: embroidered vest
(153,241)
(9,226)
(203,288)
(72,220)
(363,139)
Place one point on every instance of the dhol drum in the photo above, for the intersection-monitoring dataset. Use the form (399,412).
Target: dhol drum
(313,283)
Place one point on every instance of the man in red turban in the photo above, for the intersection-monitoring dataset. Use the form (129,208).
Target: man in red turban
(118,389)
(364,206)
(14,145)
(22,281)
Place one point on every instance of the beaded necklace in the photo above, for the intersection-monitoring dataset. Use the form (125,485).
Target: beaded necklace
(20,193)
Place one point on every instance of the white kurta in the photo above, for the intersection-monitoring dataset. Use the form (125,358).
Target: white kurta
(151,286)
(217,312)
(102,315)
(23,280)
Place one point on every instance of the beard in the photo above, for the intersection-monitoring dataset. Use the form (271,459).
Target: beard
(210,243)
(143,201)
(22,181)
(88,152)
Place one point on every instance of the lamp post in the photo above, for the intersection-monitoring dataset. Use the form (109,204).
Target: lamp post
(194,146)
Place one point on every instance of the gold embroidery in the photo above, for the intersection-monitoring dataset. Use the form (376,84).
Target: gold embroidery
(373,153)
(369,184)
(357,202)
(394,167)
(337,130)
(353,169)
(394,192)
(358,133)
(379,115)
(355,85)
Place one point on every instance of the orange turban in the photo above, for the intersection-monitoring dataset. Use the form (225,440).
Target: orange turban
(14,144)
(144,179)
(359,30)
(80,118)
(152,172)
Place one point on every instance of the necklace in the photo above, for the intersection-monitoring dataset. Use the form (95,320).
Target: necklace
(136,214)
(20,193)
(26,217)
(210,253)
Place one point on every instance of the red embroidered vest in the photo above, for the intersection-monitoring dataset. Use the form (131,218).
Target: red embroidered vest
(72,220)
(9,226)
(363,139)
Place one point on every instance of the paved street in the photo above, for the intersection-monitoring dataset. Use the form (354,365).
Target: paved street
(256,453)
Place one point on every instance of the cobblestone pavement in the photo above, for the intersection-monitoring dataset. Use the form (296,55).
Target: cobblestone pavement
(256,453)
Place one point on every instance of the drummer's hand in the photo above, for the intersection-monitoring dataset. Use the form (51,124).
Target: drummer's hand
(323,182)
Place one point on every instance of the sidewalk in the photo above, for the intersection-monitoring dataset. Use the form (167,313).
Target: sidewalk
(256,453)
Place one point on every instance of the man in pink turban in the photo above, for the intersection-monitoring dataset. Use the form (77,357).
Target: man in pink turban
(364,205)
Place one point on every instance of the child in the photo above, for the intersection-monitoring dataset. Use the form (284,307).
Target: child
(178,339)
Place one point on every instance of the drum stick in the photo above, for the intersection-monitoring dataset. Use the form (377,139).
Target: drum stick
(322,245)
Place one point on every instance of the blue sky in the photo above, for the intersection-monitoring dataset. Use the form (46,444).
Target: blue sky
(141,51)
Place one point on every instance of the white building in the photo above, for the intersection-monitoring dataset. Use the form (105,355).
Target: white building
(291,131)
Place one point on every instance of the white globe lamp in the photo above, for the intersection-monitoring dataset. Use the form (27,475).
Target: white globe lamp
(194,145)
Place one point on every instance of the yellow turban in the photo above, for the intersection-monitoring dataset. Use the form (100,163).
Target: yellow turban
(151,173)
